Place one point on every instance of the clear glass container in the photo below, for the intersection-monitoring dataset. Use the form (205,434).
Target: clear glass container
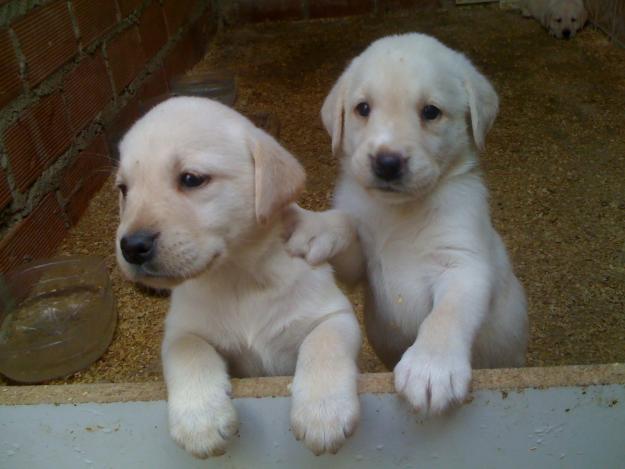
(219,85)
(57,316)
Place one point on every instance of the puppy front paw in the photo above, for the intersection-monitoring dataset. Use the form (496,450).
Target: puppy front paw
(432,383)
(316,236)
(203,428)
(323,424)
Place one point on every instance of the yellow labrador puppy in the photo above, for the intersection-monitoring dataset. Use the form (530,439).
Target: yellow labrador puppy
(411,218)
(562,18)
(202,198)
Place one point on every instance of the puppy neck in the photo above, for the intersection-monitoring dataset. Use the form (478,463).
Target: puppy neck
(466,163)
(258,258)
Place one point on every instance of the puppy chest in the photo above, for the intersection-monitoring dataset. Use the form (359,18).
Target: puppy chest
(401,285)
(254,336)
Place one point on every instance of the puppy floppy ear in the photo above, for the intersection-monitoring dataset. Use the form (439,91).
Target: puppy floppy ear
(333,112)
(278,177)
(483,104)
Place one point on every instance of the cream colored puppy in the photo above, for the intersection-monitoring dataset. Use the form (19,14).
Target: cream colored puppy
(562,18)
(202,198)
(411,218)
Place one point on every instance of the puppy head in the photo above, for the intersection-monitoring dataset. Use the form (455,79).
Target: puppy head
(196,181)
(564,18)
(404,112)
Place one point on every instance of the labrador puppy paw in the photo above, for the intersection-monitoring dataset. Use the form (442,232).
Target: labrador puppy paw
(432,383)
(316,236)
(324,423)
(203,428)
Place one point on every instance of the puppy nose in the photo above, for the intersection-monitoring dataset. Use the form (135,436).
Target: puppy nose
(388,166)
(139,247)
(566,33)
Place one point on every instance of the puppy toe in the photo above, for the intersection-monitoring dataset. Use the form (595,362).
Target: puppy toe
(324,424)
(299,244)
(321,249)
(203,431)
(432,384)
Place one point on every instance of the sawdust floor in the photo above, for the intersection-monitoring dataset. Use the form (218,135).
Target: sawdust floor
(555,166)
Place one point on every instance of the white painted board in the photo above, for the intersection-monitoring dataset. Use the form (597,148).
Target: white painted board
(569,427)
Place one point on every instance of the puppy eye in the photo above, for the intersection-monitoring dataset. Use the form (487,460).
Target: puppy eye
(190,180)
(573,20)
(430,112)
(559,20)
(363,109)
(123,188)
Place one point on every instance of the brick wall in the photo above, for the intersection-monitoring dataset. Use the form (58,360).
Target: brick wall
(74,74)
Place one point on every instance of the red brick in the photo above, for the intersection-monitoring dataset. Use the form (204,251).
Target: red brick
(128,6)
(203,28)
(84,177)
(10,84)
(92,160)
(94,18)
(128,115)
(25,159)
(268,10)
(79,201)
(153,91)
(332,8)
(5,190)
(40,135)
(177,13)
(126,57)
(35,237)
(155,85)
(46,39)
(87,90)
(122,122)
(183,56)
(152,29)
(52,126)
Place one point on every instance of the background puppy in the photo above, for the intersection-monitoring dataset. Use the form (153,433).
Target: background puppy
(408,116)
(562,18)
(202,196)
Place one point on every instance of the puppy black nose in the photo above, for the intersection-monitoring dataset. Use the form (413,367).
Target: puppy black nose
(139,247)
(388,166)
(566,33)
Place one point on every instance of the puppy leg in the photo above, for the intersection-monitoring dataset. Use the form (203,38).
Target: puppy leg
(325,408)
(326,236)
(435,372)
(201,414)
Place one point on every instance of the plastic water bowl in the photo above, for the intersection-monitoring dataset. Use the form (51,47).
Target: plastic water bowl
(56,317)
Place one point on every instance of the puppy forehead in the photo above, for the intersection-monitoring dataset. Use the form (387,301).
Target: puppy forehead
(567,7)
(408,74)
(164,140)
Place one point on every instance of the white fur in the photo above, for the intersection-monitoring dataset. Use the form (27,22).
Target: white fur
(240,303)
(440,292)
(557,16)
